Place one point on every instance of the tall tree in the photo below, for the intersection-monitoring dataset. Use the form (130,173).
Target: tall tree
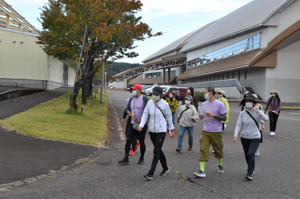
(112,28)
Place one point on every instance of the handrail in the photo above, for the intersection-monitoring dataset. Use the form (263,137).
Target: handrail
(219,83)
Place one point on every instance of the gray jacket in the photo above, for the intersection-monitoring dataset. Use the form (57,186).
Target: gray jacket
(185,117)
(247,126)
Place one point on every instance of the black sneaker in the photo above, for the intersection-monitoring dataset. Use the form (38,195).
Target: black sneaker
(148,176)
(124,161)
(178,150)
(164,172)
(141,161)
(190,149)
(249,177)
(220,169)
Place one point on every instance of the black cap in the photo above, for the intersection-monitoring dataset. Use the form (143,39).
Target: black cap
(249,98)
(157,90)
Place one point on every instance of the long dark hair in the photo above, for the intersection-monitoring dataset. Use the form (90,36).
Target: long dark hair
(192,91)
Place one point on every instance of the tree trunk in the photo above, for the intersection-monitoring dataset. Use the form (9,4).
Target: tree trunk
(85,90)
(75,94)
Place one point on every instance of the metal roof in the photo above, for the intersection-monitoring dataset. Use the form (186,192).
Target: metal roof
(248,17)
(176,44)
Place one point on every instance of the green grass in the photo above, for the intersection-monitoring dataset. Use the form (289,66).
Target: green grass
(52,120)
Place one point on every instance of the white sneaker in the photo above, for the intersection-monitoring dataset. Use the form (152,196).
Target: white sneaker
(256,153)
(272,133)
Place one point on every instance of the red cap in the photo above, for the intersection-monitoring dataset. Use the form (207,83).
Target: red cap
(136,86)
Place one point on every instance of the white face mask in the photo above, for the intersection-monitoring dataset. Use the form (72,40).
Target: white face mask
(170,96)
(188,91)
(249,105)
(134,93)
(206,96)
(187,102)
(156,97)
(274,95)
(217,96)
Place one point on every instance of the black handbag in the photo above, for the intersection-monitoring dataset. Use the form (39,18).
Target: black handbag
(261,136)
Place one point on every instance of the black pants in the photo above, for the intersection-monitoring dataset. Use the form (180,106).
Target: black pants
(250,146)
(158,141)
(134,140)
(140,136)
(273,121)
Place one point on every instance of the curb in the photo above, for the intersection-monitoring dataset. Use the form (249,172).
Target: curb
(52,173)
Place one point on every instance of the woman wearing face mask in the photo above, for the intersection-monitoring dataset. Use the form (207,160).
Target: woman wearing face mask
(247,124)
(159,114)
(187,117)
(190,92)
(273,106)
(135,142)
(173,106)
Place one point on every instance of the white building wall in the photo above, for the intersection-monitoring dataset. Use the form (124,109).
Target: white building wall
(21,60)
(25,63)
(285,77)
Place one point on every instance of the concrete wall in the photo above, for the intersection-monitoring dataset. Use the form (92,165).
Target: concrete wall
(25,64)
(286,76)
(21,60)
(122,84)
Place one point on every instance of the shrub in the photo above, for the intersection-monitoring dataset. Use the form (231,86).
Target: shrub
(200,96)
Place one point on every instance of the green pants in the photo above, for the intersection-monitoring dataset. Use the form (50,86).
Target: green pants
(216,140)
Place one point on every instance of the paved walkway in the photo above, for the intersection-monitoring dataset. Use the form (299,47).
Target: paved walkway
(23,157)
(276,172)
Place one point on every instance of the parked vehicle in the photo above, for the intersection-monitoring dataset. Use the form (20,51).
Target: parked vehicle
(180,92)
(144,87)
(148,91)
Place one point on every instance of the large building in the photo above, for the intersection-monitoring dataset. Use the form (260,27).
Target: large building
(256,48)
(23,63)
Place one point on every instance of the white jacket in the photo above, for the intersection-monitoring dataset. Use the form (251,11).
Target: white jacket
(157,122)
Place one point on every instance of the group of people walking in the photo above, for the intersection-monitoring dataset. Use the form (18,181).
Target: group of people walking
(158,116)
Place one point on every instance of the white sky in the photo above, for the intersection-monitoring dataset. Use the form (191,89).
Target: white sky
(175,18)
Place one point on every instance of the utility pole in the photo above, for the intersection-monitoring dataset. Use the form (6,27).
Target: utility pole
(102,77)
(105,82)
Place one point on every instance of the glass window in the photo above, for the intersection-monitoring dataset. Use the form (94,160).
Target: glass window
(243,46)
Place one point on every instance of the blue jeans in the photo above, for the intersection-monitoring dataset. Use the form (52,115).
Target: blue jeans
(181,134)
(173,120)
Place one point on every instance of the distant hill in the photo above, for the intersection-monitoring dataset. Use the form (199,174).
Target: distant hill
(118,67)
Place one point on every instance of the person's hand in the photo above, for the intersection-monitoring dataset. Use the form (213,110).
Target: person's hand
(178,121)
(140,128)
(256,107)
(201,116)
(265,112)
(133,117)
(262,127)
(275,112)
(172,105)
(123,121)
(235,139)
(209,114)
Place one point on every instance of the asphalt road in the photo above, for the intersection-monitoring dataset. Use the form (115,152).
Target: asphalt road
(24,157)
(276,172)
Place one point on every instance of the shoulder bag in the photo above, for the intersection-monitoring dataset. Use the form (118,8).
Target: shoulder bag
(261,136)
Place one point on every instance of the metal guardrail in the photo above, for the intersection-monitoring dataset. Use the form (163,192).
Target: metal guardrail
(219,83)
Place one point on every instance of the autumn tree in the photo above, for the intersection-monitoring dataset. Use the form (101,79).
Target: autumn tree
(108,27)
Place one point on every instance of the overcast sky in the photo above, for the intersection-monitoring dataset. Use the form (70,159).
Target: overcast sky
(175,18)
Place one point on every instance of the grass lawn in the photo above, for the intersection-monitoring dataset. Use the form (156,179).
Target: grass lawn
(51,120)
